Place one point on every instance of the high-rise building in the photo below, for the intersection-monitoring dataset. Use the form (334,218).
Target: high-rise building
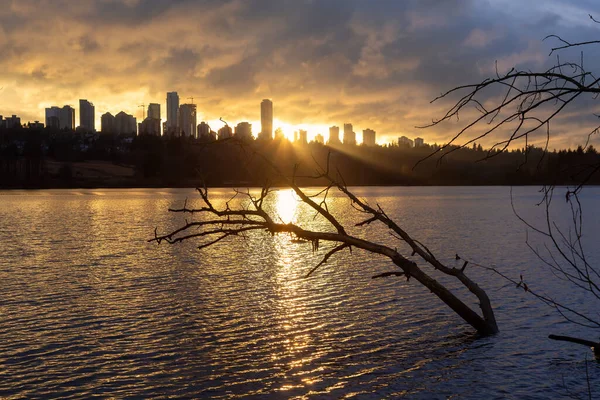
(334,135)
(266,119)
(87,118)
(107,123)
(349,135)
(149,126)
(225,132)
(403,141)
(203,130)
(319,139)
(2,123)
(154,111)
(125,123)
(35,125)
(419,142)
(12,122)
(67,118)
(187,120)
(278,134)
(53,117)
(302,136)
(369,137)
(172,113)
(152,124)
(243,130)
(60,118)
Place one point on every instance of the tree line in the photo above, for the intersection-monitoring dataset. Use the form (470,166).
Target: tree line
(27,154)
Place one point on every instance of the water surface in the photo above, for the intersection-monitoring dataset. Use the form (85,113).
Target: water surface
(89,308)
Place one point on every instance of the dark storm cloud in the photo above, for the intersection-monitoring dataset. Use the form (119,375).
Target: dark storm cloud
(323,62)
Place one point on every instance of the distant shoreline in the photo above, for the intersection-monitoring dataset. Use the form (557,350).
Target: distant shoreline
(6,189)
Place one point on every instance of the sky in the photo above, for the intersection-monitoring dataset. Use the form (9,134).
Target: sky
(373,63)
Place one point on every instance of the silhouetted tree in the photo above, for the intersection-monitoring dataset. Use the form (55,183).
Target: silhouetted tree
(528,103)
(217,224)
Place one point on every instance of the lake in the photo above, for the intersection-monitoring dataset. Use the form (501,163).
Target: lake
(89,308)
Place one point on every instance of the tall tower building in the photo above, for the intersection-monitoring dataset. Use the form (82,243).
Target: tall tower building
(53,117)
(187,120)
(172,113)
(152,123)
(125,123)
(67,118)
(107,123)
(334,135)
(266,119)
(369,137)
(87,118)
(243,130)
(203,130)
(349,135)
(153,111)
(302,136)
(225,132)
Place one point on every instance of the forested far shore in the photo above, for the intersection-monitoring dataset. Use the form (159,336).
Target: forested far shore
(49,159)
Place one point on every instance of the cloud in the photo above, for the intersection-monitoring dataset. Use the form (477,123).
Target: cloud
(376,64)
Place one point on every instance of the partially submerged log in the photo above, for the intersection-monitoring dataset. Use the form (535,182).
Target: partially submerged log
(595,346)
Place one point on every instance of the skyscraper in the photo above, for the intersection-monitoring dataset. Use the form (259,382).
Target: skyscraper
(53,117)
(349,135)
(266,119)
(152,124)
(60,118)
(87,118)
(225,132)
(187,120)
(203,130)
(125,123)
(243,130)
(403,141)
(172,113)
(107,123)
(153,111)
(149,126)
(334,135)
(302,136)
(278,134)
(369,137)
(67,118)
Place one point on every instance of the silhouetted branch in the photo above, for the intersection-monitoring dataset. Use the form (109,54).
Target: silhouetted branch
(235,220)
(527,103)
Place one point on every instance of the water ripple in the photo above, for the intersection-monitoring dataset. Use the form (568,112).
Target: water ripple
(88,308)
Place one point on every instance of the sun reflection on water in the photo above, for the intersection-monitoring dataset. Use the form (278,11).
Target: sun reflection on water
(286,205)
(296,348)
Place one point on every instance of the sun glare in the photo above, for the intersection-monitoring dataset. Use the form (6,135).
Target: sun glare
(286,205)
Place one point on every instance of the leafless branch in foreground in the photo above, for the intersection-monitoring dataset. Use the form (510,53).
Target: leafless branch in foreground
(236,220)
(516,106)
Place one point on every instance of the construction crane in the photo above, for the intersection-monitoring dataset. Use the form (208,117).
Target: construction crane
(143,111)
(192,98)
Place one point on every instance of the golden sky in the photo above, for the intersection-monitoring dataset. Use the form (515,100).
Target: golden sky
(374,63)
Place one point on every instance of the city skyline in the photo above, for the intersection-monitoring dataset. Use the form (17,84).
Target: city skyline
(86,112)
(323,62)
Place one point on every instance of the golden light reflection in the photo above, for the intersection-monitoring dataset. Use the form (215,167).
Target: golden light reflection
(286,206)
(293,314)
